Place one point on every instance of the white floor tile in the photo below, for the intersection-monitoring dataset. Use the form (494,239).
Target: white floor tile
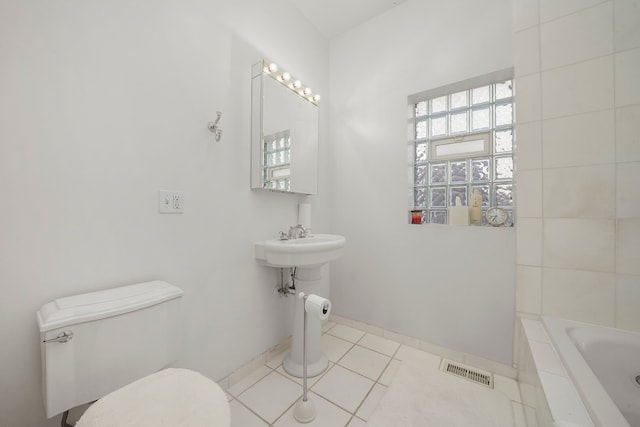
(343,387)
(334,347)
(428,397)
(242,417)
(248,381)
(266,397)
(327,325)
(346,333)
(379,344)
(357,422)
(371,402)
(387,375)
(277,360)
(310,380)
(365,362)
(271,396)
(410,353)
(327,415)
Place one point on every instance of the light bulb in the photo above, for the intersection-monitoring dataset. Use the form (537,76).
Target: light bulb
(297,84)
(285,76)
(307,91)
(316,98)
(272,68)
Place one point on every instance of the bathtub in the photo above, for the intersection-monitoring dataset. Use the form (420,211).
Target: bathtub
(604,366)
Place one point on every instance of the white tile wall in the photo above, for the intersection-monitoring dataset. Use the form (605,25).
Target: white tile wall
(529,289)
(627,16)
(526,55)
(525,14)
(528,94)
(552,9)
(578,88)
(580,244)
(580,295)
(580,192)
(627,297)
(577,37)
(582,139)
(627,70)
(530,184)
(627,134)
(529,153)
(628,190)
(529,241)
(628,246)
(588,152)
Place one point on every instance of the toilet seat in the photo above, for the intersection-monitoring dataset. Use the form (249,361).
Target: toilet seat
(171,397)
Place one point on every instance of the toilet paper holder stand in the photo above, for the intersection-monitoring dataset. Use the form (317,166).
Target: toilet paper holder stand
(305,409)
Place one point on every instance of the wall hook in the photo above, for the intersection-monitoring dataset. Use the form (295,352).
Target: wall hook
(214,128)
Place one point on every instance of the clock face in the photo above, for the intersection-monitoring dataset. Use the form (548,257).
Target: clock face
(497,216)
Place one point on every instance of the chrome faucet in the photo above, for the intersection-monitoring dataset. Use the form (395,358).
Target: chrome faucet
(295,232)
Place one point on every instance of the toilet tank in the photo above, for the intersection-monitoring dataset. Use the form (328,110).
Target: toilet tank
(118,335)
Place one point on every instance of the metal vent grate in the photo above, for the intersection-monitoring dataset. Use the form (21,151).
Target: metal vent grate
(472,374)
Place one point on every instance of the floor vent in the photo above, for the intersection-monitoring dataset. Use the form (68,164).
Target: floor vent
(472,374)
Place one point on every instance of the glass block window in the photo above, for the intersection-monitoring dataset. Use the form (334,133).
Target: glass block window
(276,152)
(462,141)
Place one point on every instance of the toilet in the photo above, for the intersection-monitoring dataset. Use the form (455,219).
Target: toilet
(114,347)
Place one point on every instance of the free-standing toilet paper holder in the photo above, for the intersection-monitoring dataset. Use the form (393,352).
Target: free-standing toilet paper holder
(305,409)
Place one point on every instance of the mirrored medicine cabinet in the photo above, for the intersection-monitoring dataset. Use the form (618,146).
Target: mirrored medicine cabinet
(284,132)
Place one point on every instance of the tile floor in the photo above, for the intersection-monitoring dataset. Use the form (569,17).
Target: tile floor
(361,366)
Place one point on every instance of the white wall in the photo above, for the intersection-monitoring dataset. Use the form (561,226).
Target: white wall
(104,103)
(450,286)
(579,160)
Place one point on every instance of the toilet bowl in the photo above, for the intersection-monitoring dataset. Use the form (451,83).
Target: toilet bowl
(170,397)
(115,347)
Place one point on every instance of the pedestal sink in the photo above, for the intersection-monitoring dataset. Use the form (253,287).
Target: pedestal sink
(308,252)
(307,255)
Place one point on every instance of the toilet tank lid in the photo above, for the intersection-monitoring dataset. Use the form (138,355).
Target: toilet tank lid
(82,308)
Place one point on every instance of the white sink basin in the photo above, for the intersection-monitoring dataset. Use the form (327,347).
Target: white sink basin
(302,252)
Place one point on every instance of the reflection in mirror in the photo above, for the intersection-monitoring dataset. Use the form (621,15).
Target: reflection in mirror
(276,164)
(284,132)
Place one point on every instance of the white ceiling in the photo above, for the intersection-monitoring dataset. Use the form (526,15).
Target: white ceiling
(333,17)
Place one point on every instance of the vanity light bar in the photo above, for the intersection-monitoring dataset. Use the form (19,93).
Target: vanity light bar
(286,79)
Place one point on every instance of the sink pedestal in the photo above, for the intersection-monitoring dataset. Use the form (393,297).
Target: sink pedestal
(317,362)
(308,254)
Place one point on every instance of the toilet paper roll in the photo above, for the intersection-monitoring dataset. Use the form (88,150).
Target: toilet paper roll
(318,307)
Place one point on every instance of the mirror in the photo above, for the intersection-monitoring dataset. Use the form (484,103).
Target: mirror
(284,133)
